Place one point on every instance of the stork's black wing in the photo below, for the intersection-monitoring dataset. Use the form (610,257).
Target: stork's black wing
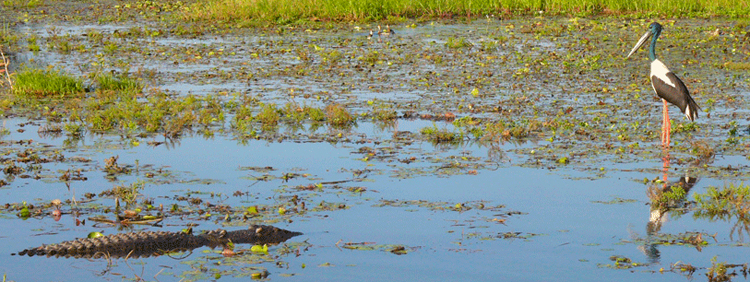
(678,94)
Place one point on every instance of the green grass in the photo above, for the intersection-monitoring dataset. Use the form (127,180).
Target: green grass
(122,83)
(46,84)
(264,12)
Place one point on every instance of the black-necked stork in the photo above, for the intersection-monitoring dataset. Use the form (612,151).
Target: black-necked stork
(666,84)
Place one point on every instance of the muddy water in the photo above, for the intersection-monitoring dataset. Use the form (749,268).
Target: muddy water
(512,209)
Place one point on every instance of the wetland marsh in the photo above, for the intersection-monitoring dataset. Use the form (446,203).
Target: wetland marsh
(523,148)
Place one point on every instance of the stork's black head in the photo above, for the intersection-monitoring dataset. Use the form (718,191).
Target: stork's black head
(653,31)
(655,28)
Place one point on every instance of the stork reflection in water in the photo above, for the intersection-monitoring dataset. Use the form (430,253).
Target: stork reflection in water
(665,197)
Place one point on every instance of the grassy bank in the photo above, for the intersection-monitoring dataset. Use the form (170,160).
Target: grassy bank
(254,12)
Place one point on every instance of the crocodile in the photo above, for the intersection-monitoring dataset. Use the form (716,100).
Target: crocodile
(148,243)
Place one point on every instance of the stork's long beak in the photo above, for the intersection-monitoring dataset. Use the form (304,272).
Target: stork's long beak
(640,43)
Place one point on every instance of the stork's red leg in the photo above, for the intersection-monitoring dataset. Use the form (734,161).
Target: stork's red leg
(667,123)
(666,167)
(663,124)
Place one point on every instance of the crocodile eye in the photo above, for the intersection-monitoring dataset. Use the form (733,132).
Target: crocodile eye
(258,230)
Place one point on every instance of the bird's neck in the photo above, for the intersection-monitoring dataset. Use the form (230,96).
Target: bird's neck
(652,49)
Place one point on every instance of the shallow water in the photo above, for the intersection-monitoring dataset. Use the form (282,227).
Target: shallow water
(573,233)
(469,210)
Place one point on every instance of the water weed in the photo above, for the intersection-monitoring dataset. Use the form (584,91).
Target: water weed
(732,202)
(440,135)
(129,194)
(733,199)
(269,115)
(719,271)
(457,43)
(338,116)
